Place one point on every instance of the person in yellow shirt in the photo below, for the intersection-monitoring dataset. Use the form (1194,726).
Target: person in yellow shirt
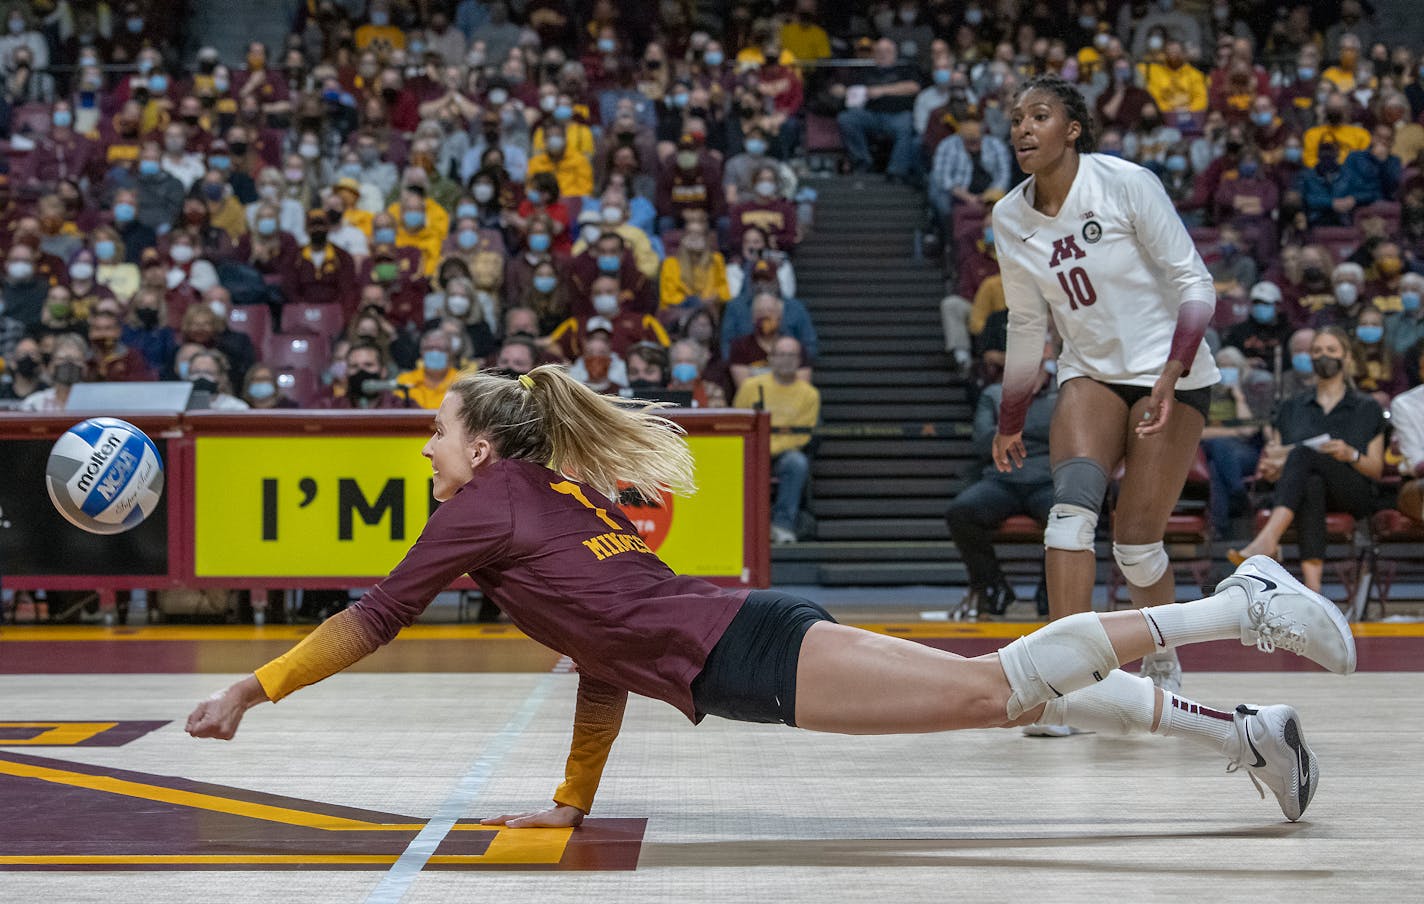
(425,386)
(414,230)
(1336,130)
(802,37)
(1176,85)
(572,170)
(696,275)
(613,207)
(350,191)
(1408,136)
(578,137)
(1342,74)
(378,33)
(795,407)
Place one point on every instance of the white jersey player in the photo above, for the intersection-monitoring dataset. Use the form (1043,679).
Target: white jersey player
(1094,243)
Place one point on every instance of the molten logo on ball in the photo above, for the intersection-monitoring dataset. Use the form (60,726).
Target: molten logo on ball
(104,475)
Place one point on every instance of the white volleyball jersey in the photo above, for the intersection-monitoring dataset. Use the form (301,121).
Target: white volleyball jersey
(1111,269)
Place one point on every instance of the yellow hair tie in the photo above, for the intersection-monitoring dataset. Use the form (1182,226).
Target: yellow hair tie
(526,381)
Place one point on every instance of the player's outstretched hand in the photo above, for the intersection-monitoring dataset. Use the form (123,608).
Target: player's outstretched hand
(1159,404)
(219,715)
(1009,451)
(560,816)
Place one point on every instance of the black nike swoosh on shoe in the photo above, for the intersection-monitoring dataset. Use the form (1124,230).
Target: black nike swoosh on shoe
(1260,760)
(1269,585)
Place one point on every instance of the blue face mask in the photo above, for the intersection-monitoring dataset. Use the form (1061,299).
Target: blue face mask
(756,147)
(989,235)
(148,167)
(608,263)
(1410,300)
(684,372)
(1305,73)
(158,84)
(680,99)
(220,161)
(545,284)
(182,370)
(1301,363)
(124,212)
(941,76)
(435,359)
(712,58)
(1263,313)
(262,390)
(563,112)
(535,196)
(386,236)
(467,239)
(105,249)
(63,119)
(1230,376)
(414,220)
(539,241)
(1293,154)
(1369,335)
(606,45)
(1228,249)
(467,210)
(1177,163)
(1262,118)
(1247,169)
(351,170)
(266,226)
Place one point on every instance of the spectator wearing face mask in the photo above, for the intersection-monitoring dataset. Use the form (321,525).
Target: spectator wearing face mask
(543,204)
(766,210)
(599,366)
(208,371)
(696,275)
(414,230)
(1377,368)
(1324,191)
(647,368)
(319,273)
(1178,87)
(24,290)
(146,329)
(25,372)
(1404,328)
(737,319)
(750,354)
(572,170)
(739,173)
(755,247)
(517,355)
(397,272)
(971,170)
(366,366)
(69,361)
(1231,440)
(291,215)
(267,248)
(1247,203)
(784,389)
(437,369)
(691,182)
(160,196)
(1337,130)
(1343,305)
(135,234)
(206,324)
(261,393)
(1232,264)
(613,211)
(1373,174)
(113,361)
(688,360)
(11,332)
(62,153)
(625,326)
(1263,334)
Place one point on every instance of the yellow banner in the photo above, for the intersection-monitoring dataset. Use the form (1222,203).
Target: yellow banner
(351,506)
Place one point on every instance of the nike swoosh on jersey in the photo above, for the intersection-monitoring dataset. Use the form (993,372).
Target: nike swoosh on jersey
(1030,235)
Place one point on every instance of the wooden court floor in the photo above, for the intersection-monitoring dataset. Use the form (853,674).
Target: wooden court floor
(367,787)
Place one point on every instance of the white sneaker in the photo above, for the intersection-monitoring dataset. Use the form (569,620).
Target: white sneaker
(1039,730)
(1274,751)
(780,535)
(1163,669)
(1282,612)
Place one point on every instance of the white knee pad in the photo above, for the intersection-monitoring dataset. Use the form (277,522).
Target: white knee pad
(1057,659)
(1143,564)
(1070,527)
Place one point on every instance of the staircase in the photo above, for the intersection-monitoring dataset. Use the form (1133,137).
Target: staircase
(895,418)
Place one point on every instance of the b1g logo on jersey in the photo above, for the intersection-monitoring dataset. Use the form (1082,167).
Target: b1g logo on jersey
(1066,249)
(1092,232)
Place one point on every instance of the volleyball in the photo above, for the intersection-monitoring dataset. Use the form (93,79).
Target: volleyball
(104,475)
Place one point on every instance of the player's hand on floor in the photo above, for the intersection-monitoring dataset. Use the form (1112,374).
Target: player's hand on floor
(219,715)
(556,817)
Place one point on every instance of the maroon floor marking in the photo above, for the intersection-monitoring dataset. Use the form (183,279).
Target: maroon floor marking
(118,736)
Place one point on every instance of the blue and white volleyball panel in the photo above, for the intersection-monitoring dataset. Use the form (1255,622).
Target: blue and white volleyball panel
(104,475)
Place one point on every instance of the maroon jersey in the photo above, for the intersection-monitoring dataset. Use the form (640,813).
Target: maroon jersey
(569,569)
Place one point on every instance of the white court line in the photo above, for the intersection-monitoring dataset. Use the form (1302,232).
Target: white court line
(398,879)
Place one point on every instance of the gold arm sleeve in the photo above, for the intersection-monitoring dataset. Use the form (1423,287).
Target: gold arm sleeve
(335,644)
(598,715)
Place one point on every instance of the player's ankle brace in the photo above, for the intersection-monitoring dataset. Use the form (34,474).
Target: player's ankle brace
(1057,659)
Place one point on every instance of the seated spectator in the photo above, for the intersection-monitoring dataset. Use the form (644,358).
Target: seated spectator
(795,406)
(608,255)
(880,104)
(572,170)
(458,303)
(1233,266)
(1377,369)
(1121,103)
(1343,306)
(1406,416)
(25,372)
(399,276)
(980,508)
(1337,474)
(268,249)
(25,287)
(696,275)
(688,360)
(112,360)
(1262,337)
(755,246)
(320,273)
(625,326)
(1405,327)
(1324,191)
(438,368)
(160,196)
(1337,130)
(750,354)
(367,366)
(1373,174)
(1232,447)
(598,366)
(146,329)
(647,368)
(1248,203)
(114,272)
(517,355)
(134,232)
(260,390)
(1299,377)
(737,318)
(86,290)
(207,370)
(1177,87)
(767,211)
(541,200)
(970,169)
(206,325)
(291,215)
(69,360)
(1408,137)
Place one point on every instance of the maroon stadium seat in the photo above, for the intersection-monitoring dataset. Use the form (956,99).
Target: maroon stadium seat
(325,320)
(297,351)
(253,321)
(302,386)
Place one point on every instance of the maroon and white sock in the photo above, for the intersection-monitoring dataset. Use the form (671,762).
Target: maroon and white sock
(1184,718)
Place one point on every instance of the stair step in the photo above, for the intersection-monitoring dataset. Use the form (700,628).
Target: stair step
(922,507)
(918,346)
(894,333)
(835,574)
(842,487)
(833,413)
(843,361)
(884,528)
(866,551)
(880,447)
(887,467)
(953,391)
(883,378)
(911,319)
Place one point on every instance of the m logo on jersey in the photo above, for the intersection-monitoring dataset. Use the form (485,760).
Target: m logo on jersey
(1065,249)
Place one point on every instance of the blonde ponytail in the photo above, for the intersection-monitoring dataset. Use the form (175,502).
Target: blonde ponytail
(549,417)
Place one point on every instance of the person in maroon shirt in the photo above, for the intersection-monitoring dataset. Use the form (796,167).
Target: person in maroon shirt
(766,210)
(693,182)
(399,272)
(62,153)
(527,470)
(637,292)
(113,362)
(322,273)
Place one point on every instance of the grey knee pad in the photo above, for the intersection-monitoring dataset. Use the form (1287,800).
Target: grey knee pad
(1078,488)
(1143,564)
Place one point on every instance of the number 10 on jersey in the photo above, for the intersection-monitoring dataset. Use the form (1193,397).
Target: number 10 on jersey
(1078,287)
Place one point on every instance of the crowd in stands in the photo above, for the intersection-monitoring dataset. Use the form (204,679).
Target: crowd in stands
(403,191)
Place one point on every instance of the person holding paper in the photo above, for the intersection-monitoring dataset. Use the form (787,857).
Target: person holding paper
(1324,453)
